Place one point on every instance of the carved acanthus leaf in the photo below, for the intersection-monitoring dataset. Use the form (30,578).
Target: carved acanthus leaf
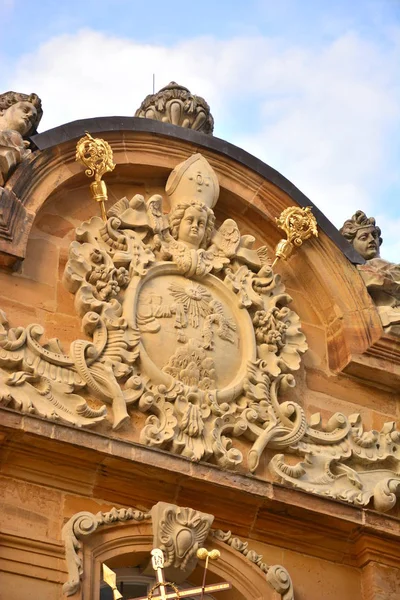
(190,325)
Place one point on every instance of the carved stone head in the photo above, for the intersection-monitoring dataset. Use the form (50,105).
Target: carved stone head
(20,112)
(193,189)
(363,234)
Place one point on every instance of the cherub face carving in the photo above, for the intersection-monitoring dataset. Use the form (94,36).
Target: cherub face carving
(192,224)
(193,227)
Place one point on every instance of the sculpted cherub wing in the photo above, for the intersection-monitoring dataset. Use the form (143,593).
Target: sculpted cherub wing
(227,238)
(131,213)
(262,253)
(140,214)
(118,208)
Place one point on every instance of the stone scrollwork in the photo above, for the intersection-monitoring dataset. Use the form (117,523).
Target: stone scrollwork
(181,317)
(179,533)
(188,324)
(346,463)
(276,575)
(83,524)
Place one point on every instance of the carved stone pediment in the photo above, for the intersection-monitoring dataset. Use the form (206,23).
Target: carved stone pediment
(188,324)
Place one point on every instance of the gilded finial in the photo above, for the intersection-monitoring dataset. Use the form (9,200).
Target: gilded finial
(299,224)
(204,554)
(97,156)
(111,579)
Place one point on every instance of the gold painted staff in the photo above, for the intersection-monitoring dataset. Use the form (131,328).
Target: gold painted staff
(97,156)
(157,560)
(203,553)
(111,579)
(299,224)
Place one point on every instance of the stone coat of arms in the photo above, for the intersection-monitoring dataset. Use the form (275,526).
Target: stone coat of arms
(188,324)
(182,319)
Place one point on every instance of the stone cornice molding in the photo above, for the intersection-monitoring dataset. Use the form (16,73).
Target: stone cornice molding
(340,530)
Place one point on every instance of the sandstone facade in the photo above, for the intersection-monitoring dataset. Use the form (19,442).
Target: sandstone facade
(332,540)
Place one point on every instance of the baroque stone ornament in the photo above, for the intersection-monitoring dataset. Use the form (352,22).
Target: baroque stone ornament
(179,533)
(188,324)
(381,277)
(175,104)
(32,390)
(83,524)
(276,575)
(19,117)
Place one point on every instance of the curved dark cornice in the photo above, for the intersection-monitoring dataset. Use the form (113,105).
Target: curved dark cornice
(70,131)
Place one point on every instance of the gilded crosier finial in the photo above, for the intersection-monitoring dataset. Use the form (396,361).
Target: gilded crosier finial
(299,224)
(97,156)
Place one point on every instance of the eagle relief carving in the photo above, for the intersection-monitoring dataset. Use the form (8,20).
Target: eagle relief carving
(188,324)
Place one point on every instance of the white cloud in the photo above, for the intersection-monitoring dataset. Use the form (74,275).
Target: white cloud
(325,120)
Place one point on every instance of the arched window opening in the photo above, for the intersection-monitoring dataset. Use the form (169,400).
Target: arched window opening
(131,583)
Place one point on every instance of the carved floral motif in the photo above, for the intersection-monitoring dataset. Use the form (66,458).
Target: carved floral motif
(190,325)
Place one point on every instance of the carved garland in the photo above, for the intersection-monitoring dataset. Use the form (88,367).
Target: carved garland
(190,325)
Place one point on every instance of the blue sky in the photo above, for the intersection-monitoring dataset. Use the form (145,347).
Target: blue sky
(310,87)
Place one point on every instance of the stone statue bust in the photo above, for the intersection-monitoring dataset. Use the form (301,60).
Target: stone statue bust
(381,277)
(19,117)
(363,234)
